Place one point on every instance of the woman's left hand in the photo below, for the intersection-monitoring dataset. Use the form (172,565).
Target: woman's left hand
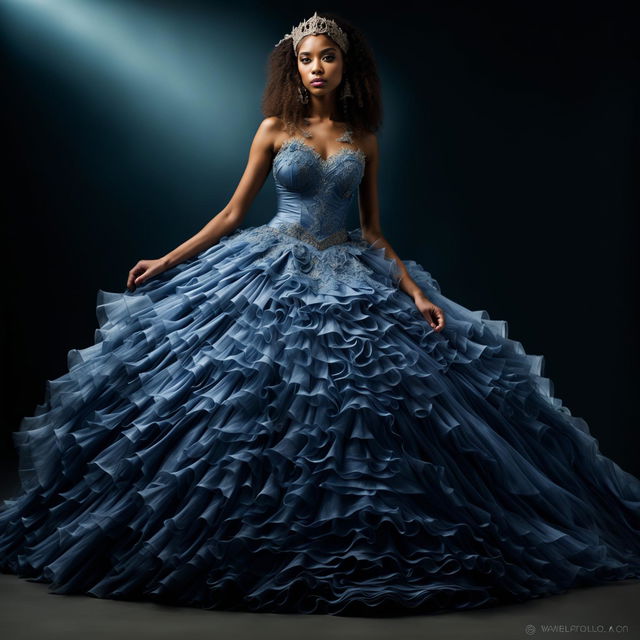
(433,314)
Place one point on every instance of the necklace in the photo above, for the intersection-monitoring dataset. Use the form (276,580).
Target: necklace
(345,137)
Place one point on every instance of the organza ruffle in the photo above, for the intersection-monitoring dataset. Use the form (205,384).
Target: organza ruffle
(273,427)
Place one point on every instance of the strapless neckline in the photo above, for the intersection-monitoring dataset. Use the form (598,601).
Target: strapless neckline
(297,140)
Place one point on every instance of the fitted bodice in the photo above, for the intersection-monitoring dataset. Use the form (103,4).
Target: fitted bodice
(314,193)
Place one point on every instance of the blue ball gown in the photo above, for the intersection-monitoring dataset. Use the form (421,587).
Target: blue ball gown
(272,425)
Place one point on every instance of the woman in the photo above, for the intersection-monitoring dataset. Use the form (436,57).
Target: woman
(288,418)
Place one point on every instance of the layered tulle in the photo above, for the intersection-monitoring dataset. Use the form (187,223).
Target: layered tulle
(273,427)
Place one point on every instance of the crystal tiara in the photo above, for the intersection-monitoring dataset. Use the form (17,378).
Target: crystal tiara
(315,25)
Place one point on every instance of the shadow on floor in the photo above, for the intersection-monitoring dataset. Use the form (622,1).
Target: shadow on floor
(28,611)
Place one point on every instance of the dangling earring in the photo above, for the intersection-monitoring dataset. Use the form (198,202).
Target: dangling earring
(345,91)
(303,97)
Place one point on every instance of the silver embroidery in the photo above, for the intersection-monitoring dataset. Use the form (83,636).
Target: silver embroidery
(346,136)
(321,269)
(331,158)
(317,248)
(298,231)
(323,217)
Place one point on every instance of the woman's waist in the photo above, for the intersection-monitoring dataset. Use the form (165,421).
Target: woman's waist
(312,234)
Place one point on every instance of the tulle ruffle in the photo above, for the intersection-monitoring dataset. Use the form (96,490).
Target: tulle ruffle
(272,427)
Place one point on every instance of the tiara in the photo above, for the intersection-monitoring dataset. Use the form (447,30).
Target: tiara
(314,25)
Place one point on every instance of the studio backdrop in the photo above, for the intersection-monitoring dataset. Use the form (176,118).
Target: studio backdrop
(506,169)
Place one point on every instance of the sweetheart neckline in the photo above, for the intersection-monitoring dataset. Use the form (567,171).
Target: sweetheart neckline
(357,152)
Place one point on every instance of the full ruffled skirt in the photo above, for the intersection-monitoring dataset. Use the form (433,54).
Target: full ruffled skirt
(273,427)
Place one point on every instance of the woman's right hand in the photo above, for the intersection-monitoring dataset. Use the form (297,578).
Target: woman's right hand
(145,269)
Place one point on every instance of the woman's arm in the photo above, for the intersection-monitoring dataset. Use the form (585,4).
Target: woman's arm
(227,220)
(371,230)
(252,180)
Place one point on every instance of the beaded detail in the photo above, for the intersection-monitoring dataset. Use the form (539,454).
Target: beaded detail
(323,187)
(346,136)
(308,238)
(297,140)
(317,24)
(342,263)
(298,231)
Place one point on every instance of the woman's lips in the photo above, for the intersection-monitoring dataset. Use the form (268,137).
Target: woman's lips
(318,83)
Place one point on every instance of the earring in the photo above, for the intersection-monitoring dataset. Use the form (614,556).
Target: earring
(345,91)
(303,96)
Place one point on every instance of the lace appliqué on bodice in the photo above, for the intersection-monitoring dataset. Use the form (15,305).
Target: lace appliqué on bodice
(308,237)
(314,192)
(322,270)
(298,231)
(296,142)
(345,137)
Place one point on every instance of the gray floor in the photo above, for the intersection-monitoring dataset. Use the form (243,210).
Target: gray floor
(28,611)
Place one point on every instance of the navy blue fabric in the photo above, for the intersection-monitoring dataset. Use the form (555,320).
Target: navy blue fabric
(273,426)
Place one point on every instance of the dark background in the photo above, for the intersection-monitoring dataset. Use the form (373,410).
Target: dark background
(508,169)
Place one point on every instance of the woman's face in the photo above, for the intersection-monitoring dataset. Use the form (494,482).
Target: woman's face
(320,58)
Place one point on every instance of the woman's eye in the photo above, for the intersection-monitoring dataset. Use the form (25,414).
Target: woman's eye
(330,56)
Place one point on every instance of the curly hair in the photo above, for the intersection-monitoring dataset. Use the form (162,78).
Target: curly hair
(363,112)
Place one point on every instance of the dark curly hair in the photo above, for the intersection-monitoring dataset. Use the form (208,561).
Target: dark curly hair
(363,112)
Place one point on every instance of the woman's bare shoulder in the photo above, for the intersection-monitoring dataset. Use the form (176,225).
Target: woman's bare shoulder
(272,124)
(273,129)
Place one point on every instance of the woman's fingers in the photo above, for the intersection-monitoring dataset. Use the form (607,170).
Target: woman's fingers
(134,273)
(436,318)
(144,276)
(144,270)
(148,273)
